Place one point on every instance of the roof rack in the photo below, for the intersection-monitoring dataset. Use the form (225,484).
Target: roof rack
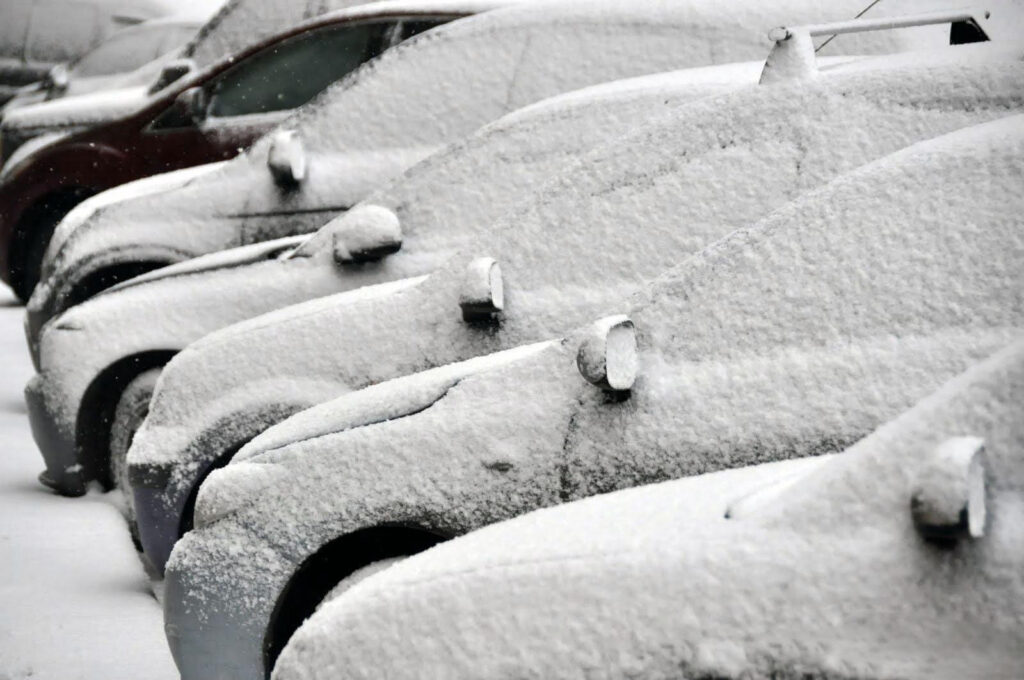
(793,55)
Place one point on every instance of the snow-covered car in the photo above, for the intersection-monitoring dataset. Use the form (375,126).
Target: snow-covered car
(83,375)
(107,64)
(209,116)
(636,206)
(36,35)
(239,24)
(793,338)
(892,559)
(241,203)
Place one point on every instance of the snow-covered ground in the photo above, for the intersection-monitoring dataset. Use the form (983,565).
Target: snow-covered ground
(75,601)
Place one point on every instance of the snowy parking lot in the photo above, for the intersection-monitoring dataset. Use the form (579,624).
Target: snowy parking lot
(75,601)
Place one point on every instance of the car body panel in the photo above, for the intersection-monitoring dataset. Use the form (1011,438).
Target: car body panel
(744,357)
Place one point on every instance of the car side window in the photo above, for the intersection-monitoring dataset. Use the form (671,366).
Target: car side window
(294,71)
(413,27)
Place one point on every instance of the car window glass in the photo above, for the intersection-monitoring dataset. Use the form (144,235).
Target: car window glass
(291,73)
(61,31)
(414,27)
(120,53)
(420,93)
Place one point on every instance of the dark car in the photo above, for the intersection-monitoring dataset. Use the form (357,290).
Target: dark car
(207,117)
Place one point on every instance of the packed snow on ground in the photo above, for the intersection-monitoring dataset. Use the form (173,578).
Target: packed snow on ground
(75,601)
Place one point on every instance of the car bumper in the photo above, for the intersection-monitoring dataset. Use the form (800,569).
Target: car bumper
(212,634)
(159,506)
(64,472)
(38,311)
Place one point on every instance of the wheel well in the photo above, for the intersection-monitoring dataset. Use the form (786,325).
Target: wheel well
(96,415)
(229,435)
(320,572)
(55,203)
(189,511)
(101,279)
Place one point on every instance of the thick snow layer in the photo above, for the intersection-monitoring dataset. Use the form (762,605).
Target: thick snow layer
(242,22)
(75,113)
(132,190)
(794,338)
(439,87)
(75,601)
(827,578)
(459,192)
(554,277)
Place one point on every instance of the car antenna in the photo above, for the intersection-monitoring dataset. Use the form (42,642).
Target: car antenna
(859,15)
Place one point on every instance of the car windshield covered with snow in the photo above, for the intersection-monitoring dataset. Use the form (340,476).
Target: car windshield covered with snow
(623,211)
(409,103)
(740,355)
(652,578)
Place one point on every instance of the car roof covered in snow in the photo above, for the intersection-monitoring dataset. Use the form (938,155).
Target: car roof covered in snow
(654,577)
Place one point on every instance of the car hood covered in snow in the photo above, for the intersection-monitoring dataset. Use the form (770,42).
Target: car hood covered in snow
(823,572)
(79,112)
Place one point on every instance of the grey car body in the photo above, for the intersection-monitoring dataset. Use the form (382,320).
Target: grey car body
(792,338)
(637,205)
(36,35)
(835,569)
(240,204)
(423,92)
(111,63)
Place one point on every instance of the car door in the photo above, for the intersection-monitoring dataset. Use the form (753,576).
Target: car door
(248,99)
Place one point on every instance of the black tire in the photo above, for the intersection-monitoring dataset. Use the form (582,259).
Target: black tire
(131,410)
(34,234)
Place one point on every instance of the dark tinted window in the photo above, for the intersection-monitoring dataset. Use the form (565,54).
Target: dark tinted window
(291,73)
(415,27)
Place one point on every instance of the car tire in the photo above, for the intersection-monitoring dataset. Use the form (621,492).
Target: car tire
(43,218)
(132,408)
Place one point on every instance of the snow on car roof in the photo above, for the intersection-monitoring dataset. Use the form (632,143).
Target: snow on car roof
(733,33)
(967,177)
(663,563)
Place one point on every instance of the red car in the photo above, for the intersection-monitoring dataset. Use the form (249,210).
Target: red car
(205,117)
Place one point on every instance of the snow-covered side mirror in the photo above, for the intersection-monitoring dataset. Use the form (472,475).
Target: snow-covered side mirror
(366,233)
(286,159)
(793,54)
(607,357)
(190,106)
(58,78)
(172,72)
(948,500)
(483,294)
